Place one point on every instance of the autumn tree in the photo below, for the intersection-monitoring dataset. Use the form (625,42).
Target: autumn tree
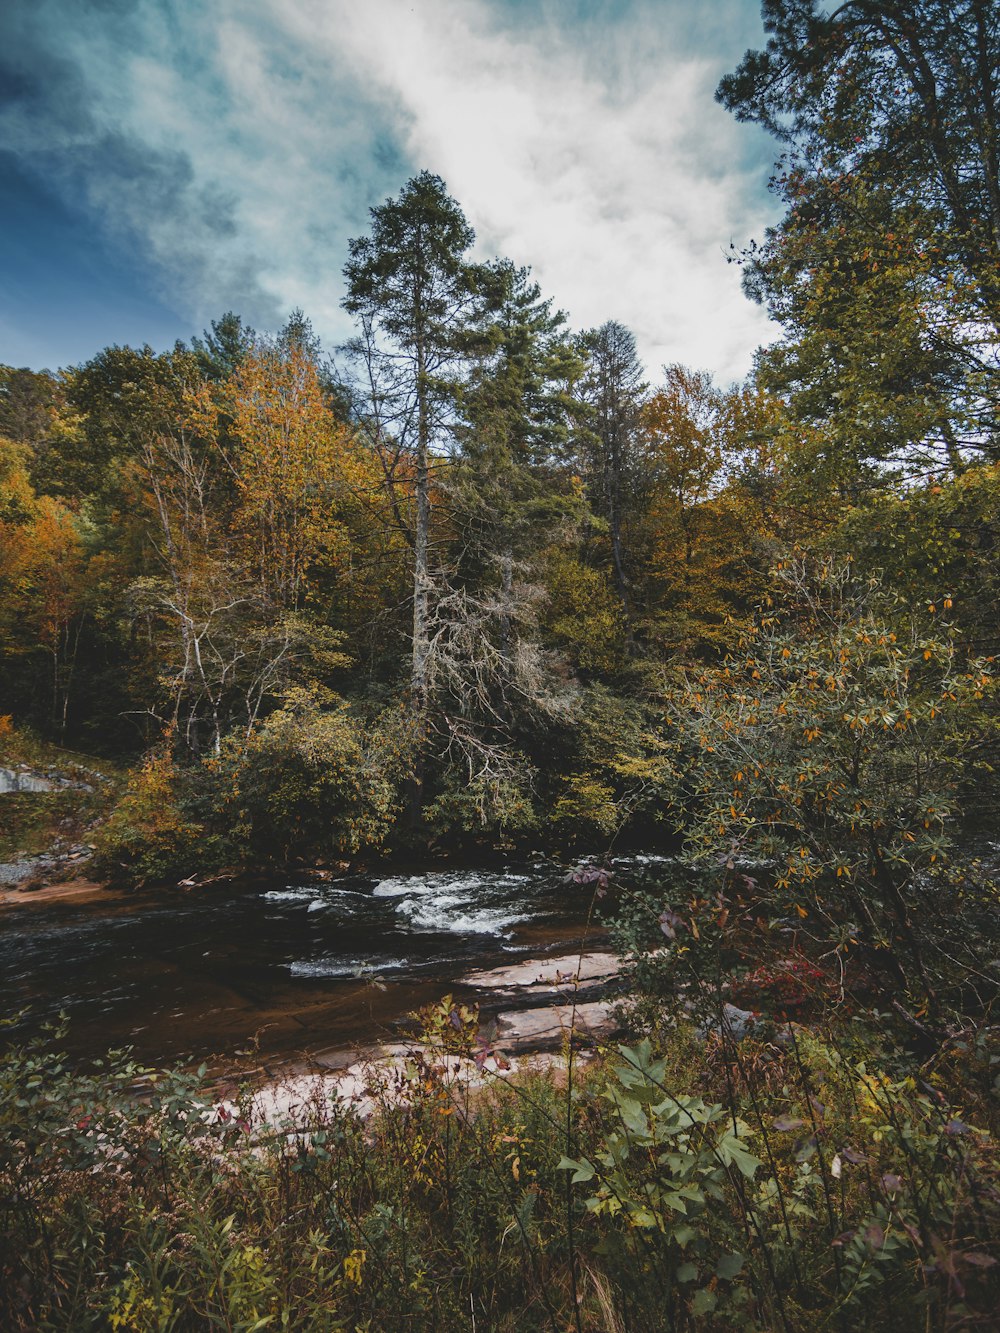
(43,591)
(247,489)
(836,746)
(704,512)
(294,469)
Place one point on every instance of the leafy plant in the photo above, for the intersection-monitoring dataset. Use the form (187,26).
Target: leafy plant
(665,1169)
(832,749)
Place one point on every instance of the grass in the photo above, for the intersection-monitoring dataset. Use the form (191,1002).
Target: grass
(863,1193)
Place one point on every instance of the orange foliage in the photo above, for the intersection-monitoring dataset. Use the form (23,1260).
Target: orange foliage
(297,473)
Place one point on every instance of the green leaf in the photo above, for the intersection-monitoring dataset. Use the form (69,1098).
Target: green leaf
(687,1272)
(729,1265)
(704,1301)
(733,1153)
(581,1170)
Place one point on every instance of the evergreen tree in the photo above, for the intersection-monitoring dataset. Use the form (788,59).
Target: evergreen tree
(416,296)
(220,352)
(612,390)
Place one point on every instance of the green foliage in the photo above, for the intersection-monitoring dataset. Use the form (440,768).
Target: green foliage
(584,619)
(313,780)
(662,1170)
(884,267)
(151,835)
(821,1178)
(32,821)
(934,543)
(500,805)
(613,772)
(833,747)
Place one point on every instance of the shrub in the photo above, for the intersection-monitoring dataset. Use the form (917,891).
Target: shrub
(312,780)
(833,750)
(151,836)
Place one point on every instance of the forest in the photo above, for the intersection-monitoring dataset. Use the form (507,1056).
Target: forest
(477,583)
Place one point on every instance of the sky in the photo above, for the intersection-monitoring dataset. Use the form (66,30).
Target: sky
(164,161)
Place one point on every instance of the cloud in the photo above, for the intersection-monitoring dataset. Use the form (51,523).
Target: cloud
(602,161)
(239,143)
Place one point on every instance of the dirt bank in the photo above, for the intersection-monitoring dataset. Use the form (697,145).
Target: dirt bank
(77,891)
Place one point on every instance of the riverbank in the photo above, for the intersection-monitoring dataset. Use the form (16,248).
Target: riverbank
(79,891)
(526,1018)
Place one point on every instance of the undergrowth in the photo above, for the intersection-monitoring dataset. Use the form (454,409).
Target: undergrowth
(30,822)
(816,1178)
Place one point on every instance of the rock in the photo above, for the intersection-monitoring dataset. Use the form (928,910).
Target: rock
(19,779)
(23,779)
(737,1023)
(337,1057)
(549,1026)
(385,1077)
(568,972)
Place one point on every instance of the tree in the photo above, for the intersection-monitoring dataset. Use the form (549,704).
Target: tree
(28,402)
(493,687)
(612,392)
(416,296)
(684,462)
(34,411)
(220,351)
(43,589)
(885,269)
(293,468)
(703,535)
(516,418)
(126,396)
(245,491)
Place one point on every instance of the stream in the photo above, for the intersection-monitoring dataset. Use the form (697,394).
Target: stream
(297,967)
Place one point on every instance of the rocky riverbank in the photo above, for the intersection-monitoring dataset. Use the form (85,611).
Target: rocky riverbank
(533,1014)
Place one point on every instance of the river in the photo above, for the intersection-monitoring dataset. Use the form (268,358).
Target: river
(296,967)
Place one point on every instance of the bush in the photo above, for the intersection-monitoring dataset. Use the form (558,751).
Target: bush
(151,836)
(833,751)
(312,781)
(719,1185)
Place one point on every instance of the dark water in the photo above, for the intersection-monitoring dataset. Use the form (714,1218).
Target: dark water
(298,966)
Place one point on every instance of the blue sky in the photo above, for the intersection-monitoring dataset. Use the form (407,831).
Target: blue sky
(166,160)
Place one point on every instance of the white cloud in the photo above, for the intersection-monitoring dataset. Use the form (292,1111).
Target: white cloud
(594,154)
(609,177)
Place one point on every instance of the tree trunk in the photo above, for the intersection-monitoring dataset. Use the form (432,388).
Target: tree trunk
(419,682)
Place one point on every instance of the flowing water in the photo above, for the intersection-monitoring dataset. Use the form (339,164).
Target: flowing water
(301,967)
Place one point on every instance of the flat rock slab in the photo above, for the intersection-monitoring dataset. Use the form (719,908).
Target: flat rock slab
(77,891)
(550,1025)
(563,973)
(386,1079)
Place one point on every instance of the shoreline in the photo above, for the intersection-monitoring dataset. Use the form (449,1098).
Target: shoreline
(79,891)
